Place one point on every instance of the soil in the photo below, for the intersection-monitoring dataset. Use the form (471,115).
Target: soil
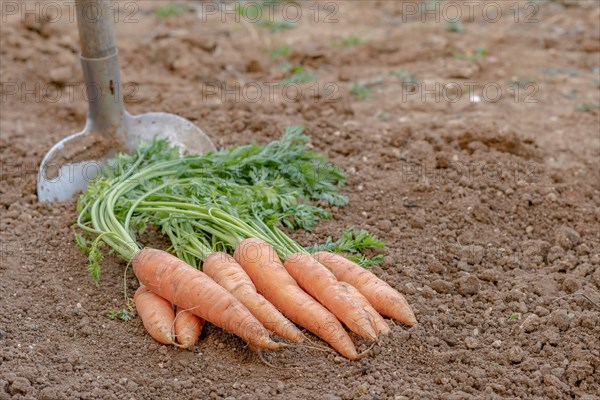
(490,209)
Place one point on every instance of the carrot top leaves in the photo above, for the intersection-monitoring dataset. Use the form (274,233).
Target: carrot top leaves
(123,314)
(357,244)
(351,242)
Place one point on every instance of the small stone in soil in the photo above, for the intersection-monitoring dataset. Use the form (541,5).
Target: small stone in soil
(567,238)
(471,343)
(531,323)
(515,355)
(385,225)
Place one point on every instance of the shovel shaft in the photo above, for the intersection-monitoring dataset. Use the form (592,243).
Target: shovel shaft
(96,32)
(103,89)
(100,63)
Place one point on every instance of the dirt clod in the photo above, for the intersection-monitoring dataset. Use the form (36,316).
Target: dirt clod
(19,385)
(567,238)
(516,355)
(468,285)
(473,254)
(442,286)
(560,319)
(531,323)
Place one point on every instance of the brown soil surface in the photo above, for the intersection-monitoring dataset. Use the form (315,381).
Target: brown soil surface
(491,210)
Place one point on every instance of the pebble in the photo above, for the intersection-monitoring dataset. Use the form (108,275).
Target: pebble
(385,225)
(409,288)
(567,238)
(533,248)
(471,343)
(497,344)
(552,197)
(531,323)
(427,292)
(516,354)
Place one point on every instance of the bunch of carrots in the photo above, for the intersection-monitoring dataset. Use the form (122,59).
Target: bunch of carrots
(225,214)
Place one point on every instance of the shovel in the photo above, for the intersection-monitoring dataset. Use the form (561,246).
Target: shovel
(109,129)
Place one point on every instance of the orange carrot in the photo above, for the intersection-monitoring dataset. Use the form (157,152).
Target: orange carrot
(382,296)
(224,270)
(156,313)
(187,327)
(262,265)
(190,289)
(377,321)
(321,284)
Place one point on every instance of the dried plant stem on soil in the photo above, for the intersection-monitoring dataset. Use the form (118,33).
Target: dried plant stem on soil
(585,296)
